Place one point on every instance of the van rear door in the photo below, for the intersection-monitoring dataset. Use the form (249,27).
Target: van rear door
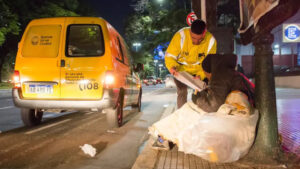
(84,61)
(38,59)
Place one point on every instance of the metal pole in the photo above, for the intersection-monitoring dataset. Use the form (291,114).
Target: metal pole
(203,10)
(266,147)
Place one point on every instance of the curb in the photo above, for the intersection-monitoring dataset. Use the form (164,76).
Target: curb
(147,158)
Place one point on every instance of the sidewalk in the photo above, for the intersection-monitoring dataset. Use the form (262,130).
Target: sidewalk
(173,159)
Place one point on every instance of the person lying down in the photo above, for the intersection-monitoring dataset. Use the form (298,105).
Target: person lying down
(219,124)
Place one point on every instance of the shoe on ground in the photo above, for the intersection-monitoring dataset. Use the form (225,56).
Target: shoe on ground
(161,146)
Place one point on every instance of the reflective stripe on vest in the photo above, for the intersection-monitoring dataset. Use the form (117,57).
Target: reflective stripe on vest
(211,44)
(184,63)
(170,55)
(182,39)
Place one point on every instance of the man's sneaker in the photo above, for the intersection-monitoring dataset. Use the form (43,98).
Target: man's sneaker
(161,145)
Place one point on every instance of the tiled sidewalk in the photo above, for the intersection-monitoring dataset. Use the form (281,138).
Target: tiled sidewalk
(178,160)
(289,124)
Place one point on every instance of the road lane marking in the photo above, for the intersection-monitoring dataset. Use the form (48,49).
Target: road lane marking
(8,107)
(152,92)
(92,112)
(49,115)
(45,127)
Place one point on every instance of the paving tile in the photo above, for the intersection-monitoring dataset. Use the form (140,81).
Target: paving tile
(180,160)
(161,159)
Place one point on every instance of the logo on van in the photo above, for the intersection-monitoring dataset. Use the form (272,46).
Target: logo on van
(35,40)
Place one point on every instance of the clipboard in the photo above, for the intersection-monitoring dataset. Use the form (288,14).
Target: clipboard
(190,81)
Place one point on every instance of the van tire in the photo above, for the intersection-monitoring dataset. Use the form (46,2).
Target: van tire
(114,116)
(138,106)
(31,117)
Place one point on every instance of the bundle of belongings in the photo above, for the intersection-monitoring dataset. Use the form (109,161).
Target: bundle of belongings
(219,125)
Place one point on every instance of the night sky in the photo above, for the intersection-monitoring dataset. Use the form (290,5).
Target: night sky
(114,11)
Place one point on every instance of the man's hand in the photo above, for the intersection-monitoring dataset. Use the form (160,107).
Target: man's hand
(197,77)
(173,71)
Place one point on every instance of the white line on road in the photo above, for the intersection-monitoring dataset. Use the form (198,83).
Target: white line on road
(45,127)
(49,115)
(149,93)
(8,107)
(92,112)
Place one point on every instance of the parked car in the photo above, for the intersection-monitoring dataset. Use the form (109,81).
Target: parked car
(150,80)
(159,81)
(77,63)
(169,81)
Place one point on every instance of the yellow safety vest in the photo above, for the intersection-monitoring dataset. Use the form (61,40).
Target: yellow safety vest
(185,56)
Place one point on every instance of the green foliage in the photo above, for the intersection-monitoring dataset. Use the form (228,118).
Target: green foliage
(2,37)
(8,22)
(153,26)
(6,85)
(53,10)
(16,14)
(8,66)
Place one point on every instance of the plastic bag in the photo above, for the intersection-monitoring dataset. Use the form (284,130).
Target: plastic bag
(223,136)
(219,137)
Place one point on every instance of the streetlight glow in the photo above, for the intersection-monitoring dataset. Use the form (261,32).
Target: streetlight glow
(137,45)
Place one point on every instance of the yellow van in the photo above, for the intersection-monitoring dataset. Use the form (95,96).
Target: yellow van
(74,63)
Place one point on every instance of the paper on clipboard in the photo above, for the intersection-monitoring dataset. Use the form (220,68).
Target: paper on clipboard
(190,81)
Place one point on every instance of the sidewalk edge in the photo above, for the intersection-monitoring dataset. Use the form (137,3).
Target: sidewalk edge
(147,158)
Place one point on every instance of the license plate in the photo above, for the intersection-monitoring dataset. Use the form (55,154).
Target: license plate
(40,89)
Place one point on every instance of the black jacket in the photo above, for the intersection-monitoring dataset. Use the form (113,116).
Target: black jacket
(224,79)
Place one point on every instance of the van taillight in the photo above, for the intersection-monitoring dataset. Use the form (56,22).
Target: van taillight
(16,78)
(109,79)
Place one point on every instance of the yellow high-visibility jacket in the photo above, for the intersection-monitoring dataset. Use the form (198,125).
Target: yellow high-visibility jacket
(185,56)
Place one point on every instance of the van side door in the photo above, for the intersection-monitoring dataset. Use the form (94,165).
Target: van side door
(123,68)
(84,60)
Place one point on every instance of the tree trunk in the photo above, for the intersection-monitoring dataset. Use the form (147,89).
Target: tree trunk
(211,14)
(266,147)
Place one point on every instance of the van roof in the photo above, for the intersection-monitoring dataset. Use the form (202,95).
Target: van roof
(61,19)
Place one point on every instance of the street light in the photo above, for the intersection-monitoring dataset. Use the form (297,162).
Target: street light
(136,45)
(160,2)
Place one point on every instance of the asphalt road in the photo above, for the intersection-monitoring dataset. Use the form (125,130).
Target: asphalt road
(56,142)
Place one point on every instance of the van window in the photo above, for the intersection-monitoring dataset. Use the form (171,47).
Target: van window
(123,51)
(84,40)
(42,41)
(120,58)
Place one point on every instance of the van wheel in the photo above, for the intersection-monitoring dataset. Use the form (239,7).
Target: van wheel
(114,116)
(138,106)
(31,117)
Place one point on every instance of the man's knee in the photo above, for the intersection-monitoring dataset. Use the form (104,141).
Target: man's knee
(182,92)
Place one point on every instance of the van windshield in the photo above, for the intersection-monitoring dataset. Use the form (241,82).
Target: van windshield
(84,40)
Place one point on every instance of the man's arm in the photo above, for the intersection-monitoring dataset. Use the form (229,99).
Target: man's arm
(172,53)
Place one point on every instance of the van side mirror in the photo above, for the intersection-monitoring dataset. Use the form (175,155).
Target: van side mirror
(138,67)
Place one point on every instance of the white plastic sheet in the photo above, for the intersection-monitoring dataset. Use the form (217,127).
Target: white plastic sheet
(217,137)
